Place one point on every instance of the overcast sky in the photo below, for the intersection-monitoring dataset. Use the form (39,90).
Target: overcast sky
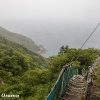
(53,23)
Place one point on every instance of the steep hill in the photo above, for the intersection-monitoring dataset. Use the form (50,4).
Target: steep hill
(16,58)
(22,40)
(22,72)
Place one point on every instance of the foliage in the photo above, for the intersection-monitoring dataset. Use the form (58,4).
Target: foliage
(31,76)
(77,57)
(19,71)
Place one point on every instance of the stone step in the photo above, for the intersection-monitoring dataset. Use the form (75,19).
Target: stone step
(76,81)
(76,91)
(74,96)
(76,86)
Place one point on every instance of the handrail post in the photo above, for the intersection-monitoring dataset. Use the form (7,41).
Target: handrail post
(62,85)
(89,84)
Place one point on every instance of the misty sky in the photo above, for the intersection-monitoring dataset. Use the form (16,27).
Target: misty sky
(53,23)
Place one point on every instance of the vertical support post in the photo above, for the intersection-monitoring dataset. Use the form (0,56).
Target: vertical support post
(89,84)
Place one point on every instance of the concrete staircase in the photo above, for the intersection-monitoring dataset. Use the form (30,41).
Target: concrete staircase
(76,89)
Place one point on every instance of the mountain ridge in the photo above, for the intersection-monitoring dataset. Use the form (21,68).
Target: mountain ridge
(21,39)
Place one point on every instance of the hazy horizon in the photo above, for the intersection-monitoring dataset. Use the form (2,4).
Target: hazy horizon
(53,23)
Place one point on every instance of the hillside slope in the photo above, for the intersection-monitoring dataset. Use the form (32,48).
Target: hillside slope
(22,72)
(16,57)
(22,40)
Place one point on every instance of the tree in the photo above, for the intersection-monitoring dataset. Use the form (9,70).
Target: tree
(62,50)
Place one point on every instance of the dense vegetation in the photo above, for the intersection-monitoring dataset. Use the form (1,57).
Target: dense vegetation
(80,58)
(21,70)
(30,75)
(22,40)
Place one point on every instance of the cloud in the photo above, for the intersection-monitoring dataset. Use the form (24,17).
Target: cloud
(52,23)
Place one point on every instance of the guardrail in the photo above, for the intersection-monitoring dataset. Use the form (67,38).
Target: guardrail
(62,82)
